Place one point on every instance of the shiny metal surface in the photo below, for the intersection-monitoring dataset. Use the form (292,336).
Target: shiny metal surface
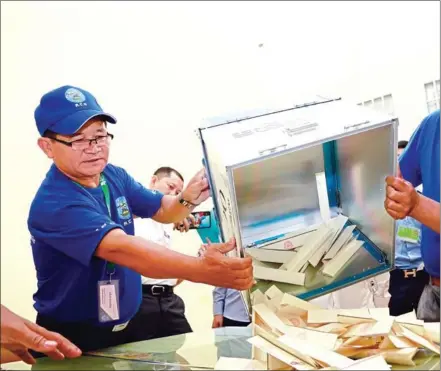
(242,141)
(278,187)
(365,160)
(264,188)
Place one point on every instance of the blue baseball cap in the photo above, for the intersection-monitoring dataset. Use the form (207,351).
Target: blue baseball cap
(65,110)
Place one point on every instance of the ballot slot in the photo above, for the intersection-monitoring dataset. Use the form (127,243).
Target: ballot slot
(282,204)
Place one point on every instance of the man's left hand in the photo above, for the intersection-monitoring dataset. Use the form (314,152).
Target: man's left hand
(401,197)
(197,190)
(18,335)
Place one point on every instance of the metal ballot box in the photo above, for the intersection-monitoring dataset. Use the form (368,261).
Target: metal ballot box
(302,190)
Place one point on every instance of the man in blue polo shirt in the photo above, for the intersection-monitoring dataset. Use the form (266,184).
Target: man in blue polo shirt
(420,164)
(87,258)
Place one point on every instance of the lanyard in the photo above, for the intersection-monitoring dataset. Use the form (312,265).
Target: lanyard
(110,267)
(105,189)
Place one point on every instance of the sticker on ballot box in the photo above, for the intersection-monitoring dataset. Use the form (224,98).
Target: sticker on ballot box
(409,234)
(108,300)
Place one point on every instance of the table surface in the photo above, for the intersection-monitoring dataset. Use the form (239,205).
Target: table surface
(198,351)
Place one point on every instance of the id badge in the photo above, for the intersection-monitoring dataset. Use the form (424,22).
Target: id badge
(108,300)
(409,234)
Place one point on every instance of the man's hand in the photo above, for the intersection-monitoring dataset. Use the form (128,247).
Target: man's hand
(401,197)
(218,321)
(18,335)
(184,225)
(223,271)
(197,189)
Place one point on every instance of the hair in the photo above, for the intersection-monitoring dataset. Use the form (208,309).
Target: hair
(167,171)
(49,134)
(402,144)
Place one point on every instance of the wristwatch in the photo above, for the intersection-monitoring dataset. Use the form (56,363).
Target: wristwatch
(185,203)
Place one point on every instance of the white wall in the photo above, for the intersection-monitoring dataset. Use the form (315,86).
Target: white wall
(161,67)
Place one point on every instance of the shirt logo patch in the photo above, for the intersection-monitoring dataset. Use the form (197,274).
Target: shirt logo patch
(123,208)
(74,95)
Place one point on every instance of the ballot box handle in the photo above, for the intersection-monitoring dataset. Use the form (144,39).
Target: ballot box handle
(271,150)
(356,126)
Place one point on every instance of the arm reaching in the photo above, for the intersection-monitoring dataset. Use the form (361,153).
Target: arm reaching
(196,192)
(152,260)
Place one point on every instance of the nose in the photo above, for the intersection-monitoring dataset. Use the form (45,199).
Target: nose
(93,147)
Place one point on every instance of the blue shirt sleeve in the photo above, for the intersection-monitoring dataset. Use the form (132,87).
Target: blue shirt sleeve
(73,228)
(410,159)
(143,202)
(219,294)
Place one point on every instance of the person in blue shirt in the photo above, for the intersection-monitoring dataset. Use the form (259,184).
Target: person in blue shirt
(408,279)
(228,306)
(87,259)
(420,165)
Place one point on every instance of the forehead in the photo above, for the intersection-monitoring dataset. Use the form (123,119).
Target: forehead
(172,178)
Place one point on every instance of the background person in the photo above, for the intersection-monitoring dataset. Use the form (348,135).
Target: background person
(162,312)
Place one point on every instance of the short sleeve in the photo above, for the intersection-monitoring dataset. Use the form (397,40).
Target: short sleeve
(143,202)
(410,159)
(75,229)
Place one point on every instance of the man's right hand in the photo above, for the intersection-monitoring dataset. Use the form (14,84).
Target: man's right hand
(218,321)
(222,271)
(401,197)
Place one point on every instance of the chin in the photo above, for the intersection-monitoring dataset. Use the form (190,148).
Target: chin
(94,168)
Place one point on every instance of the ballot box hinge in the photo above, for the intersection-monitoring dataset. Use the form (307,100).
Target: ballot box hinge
(338,198)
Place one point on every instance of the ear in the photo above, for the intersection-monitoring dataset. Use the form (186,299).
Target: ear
(46,146)
(153,181)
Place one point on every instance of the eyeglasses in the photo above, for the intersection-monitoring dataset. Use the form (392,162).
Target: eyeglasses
(83,144)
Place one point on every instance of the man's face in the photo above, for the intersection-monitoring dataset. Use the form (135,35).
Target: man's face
(167,184)
(400,151)
(82,159)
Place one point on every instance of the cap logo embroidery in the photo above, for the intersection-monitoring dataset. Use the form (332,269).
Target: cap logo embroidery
(74,96)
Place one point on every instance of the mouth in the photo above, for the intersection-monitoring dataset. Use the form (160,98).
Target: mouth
(94,161)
